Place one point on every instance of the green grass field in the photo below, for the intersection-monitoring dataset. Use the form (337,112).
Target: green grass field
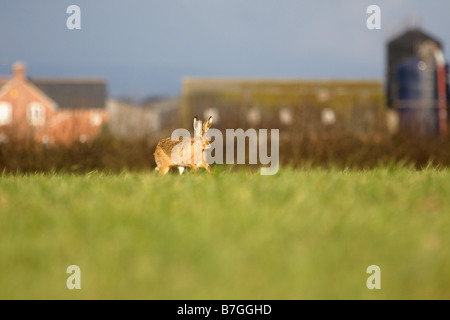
(300,234)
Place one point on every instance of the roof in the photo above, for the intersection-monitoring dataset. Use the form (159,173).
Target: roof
(74,93)
(413,36)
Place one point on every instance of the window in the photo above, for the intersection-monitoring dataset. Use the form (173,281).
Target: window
(5,113)
(96,118)
(286,116)
(46,140)
(36,114)
(328,117)
(254,116)
(83,138)
(212,112)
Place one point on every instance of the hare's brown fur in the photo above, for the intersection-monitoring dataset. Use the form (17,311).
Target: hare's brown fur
(163,152)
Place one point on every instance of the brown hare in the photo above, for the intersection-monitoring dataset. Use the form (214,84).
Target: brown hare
(169,153)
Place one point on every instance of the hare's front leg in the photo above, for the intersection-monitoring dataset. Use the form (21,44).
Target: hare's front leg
(193,166)
(206,166)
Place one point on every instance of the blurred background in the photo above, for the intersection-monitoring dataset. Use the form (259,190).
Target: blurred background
(341,94)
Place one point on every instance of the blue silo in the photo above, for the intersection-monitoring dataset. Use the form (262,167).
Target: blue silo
(416,100)
(403,47)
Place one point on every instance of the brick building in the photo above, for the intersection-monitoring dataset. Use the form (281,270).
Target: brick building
(50,111)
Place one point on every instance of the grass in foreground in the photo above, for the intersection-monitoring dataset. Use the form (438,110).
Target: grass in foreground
(300,234)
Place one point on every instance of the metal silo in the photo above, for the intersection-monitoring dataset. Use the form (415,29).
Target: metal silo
(402,47)
(416,83)
(415,100)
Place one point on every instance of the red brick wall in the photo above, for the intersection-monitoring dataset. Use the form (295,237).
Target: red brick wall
(59,127)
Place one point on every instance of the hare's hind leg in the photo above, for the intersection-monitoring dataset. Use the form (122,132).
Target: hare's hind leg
(163,170)
(161,165)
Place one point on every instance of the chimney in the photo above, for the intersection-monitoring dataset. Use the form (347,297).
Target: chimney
(19,71)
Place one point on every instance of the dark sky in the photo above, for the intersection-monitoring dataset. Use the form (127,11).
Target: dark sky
(145,47)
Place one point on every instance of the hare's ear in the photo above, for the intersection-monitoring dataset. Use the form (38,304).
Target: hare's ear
(197,127)
(207,124)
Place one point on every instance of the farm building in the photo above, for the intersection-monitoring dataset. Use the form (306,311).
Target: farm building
(150,120)
(403,47)
(417,82)
(305,106)
(50,111)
